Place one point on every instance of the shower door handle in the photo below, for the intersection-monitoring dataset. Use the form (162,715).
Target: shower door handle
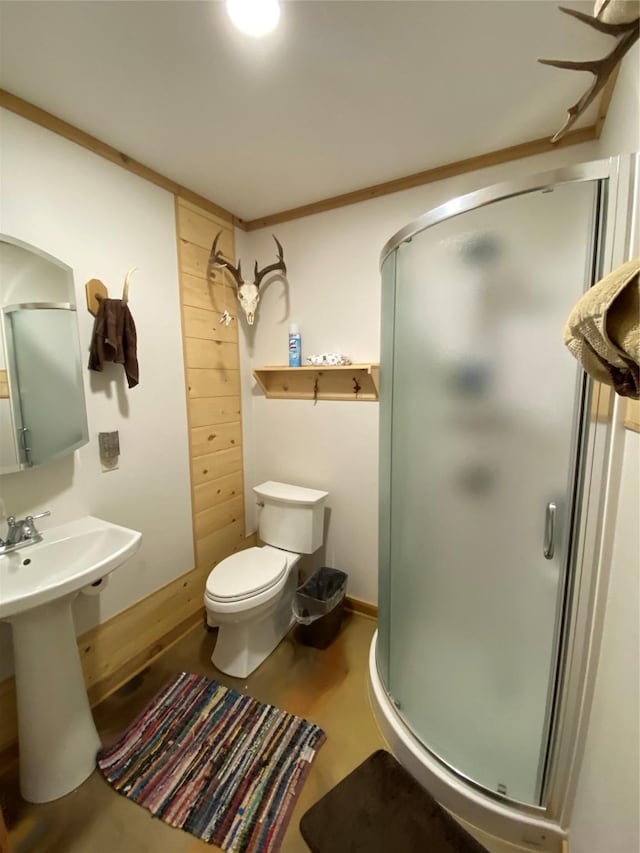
(550,530)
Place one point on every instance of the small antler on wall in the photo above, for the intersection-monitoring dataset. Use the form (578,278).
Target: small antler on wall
(627,33)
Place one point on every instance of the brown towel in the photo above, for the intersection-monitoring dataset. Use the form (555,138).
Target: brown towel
(114,339)
(603,330)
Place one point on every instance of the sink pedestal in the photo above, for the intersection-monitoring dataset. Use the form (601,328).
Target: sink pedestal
(58,738)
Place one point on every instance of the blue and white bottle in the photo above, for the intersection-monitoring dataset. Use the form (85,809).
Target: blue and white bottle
(295,346)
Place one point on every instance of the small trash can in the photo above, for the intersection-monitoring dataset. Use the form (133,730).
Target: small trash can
(318,606)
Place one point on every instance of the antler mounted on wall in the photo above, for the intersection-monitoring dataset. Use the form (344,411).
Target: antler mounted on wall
(247,292)
(626,31)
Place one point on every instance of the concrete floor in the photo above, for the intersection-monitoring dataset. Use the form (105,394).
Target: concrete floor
(327,687)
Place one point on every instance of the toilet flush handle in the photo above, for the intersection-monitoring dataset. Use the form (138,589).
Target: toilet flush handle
(259,503)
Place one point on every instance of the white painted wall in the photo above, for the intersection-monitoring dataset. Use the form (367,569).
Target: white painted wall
(606,813)
(606,810)
(334,296)
(101,220)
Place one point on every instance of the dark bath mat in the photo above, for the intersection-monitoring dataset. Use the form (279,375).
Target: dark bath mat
(378,808)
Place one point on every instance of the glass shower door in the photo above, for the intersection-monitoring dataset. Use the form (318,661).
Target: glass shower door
(484,410)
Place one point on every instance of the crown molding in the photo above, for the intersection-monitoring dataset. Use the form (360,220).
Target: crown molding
(429,176)
(447,170)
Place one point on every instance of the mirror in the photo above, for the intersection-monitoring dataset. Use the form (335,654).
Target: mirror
(42,405)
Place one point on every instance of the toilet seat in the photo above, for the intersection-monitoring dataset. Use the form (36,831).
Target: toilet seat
(246,574)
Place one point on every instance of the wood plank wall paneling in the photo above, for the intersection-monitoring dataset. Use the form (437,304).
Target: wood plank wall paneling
(214,410)
(216,382)
(632,417)
(4,385)
(601,403)
(199,293)
(218,516)
(195,224)
(205,441)
(222,355)
(206,469)
(212,375)
(205,323)
(217,491)
(213,548)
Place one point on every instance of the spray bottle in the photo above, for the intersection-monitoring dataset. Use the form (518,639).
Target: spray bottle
(295,346)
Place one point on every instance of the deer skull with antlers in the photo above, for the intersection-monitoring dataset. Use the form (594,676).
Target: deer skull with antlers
(248,292)
(616,18)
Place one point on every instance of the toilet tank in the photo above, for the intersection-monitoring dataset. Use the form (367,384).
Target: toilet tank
(291,517)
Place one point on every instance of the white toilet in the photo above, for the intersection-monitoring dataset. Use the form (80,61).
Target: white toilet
(249,595)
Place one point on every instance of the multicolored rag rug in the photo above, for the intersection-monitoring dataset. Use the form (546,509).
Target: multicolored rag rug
(214,762)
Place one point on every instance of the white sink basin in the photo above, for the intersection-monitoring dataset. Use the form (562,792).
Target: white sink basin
(69,557)
(58,738)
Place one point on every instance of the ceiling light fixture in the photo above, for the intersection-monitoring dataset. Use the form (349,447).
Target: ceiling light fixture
(254,17)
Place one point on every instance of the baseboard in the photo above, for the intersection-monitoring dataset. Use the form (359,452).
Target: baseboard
(363,608)
(143,659)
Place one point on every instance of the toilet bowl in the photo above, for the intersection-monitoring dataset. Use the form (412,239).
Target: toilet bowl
(249,595)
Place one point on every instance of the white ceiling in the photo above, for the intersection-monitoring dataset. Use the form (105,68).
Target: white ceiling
(343,95)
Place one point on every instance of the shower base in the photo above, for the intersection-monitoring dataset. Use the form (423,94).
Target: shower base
(491,816)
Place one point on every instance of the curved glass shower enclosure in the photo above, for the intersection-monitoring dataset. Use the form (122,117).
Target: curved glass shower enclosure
(484,421)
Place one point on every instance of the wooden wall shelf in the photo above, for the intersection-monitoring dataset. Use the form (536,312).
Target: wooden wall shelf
(311,382)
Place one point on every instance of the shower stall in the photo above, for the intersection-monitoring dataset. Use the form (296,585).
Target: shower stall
(496,460)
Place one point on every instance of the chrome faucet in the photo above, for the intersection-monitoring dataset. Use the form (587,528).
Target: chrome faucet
(21,532)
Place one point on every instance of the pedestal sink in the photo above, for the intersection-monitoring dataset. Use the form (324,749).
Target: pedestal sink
(58,738)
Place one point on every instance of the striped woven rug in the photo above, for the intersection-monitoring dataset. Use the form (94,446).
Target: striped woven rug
(214,762)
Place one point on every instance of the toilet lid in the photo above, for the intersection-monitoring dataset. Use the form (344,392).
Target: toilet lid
(246,573)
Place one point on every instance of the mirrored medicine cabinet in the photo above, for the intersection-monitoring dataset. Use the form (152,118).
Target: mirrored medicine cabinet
(42,404)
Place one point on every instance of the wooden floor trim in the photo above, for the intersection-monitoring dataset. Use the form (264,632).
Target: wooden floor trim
(362,608)
(144,658)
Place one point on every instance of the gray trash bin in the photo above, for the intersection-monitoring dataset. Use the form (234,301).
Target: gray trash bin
(318,606)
